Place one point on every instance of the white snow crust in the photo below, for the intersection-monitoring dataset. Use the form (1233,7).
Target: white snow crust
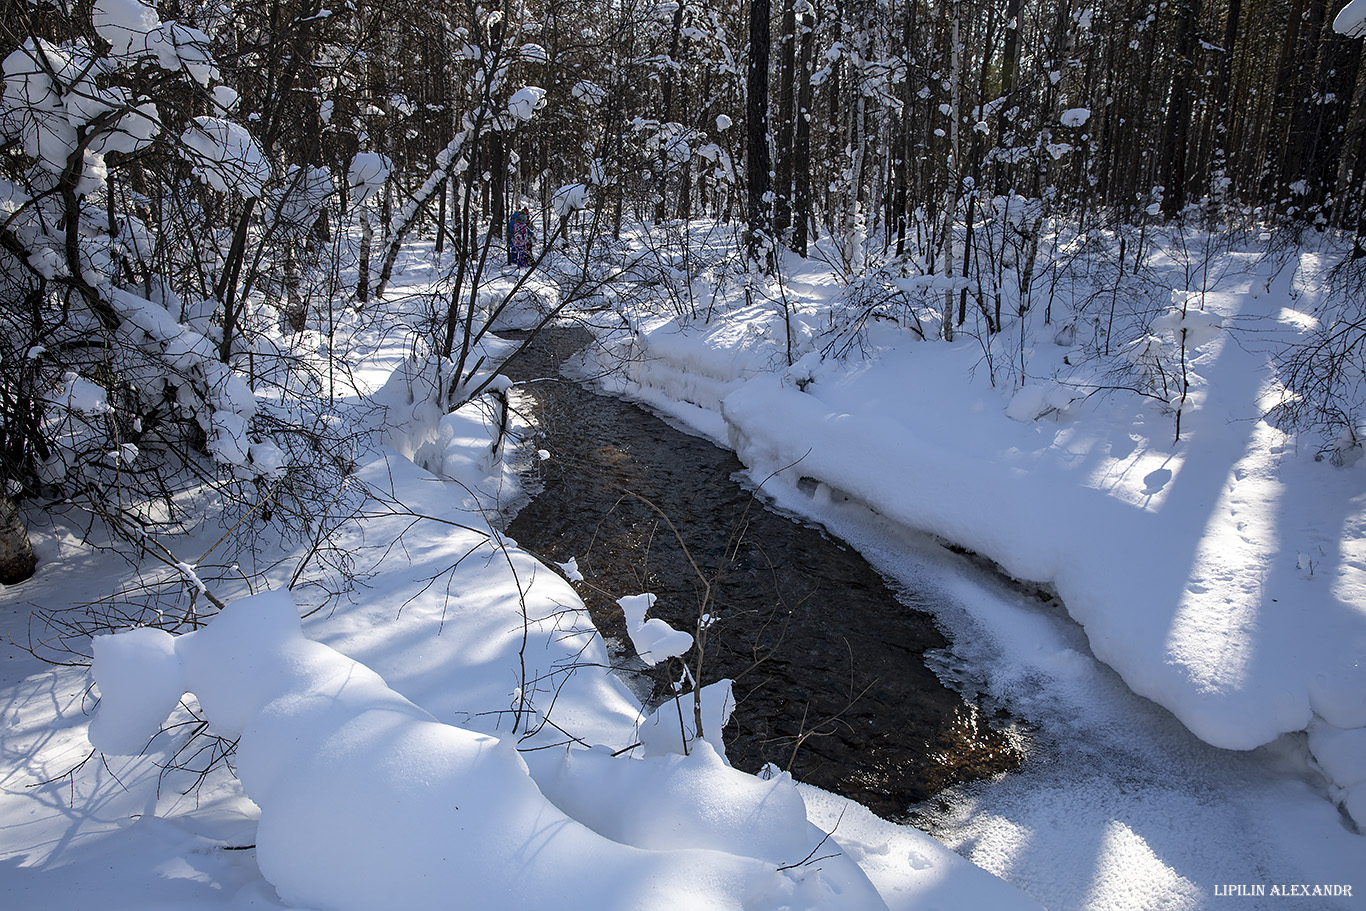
(1213,574)
(1351,20)
(368,801)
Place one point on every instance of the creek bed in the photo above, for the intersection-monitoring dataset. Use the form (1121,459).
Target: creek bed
(828,661)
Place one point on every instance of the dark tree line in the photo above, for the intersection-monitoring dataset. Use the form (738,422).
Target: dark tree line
(897,126)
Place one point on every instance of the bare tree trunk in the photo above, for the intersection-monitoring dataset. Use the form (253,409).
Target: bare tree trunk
(855,213)
(760,237)
(951,191)
(902,164)
(1174,136)
(367,234)
(1219,157)
(1349,193)
(441,220)
(801,151)
(17,562)
(667,114)
(787,62)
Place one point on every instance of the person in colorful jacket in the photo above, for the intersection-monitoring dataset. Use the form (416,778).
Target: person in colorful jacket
(520,237)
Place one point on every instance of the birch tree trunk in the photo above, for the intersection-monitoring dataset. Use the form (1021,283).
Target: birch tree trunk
(801,151)
(17,562)
(951,190)
(853,227)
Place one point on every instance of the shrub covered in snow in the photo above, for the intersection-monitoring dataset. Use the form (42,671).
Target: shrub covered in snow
(132,370)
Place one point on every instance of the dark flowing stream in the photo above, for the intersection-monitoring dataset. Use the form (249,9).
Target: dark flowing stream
(827,660)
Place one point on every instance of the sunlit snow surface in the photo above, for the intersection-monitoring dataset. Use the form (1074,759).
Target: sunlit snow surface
(357,728)
(1220,576)
(1119,806)
(367,800)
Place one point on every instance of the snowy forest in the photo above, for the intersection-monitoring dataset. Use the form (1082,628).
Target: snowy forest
(1053,308)
(216,161)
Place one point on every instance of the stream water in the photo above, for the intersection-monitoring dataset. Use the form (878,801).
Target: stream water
(828,660)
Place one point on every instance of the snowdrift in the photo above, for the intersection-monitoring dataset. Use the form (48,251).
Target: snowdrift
(367,801)
(1220,576)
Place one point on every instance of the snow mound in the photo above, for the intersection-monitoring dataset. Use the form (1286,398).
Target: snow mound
(1351,21)
(654,640)
(1176,560)
(517,301)
(368,802)
(464,446)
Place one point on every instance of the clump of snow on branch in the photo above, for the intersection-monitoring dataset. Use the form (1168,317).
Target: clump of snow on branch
(571,568)
(79,394)
(225,156)
(534,53)
(525,102)
(178,47)
(569,199)
(300,200)
(588,92)
(1074,117)
(123,23)
(204,389)
(366,176)
(51,96)
(1351,21)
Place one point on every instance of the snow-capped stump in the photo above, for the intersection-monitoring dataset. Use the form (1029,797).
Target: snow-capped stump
(654,639)
(368,802)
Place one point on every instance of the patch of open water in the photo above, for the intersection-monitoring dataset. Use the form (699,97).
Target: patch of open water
(828,660)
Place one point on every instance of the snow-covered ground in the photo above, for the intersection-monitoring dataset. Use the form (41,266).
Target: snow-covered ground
(442,735)
(1219,576)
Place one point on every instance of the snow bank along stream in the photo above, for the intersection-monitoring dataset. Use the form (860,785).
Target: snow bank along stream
(828,662)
